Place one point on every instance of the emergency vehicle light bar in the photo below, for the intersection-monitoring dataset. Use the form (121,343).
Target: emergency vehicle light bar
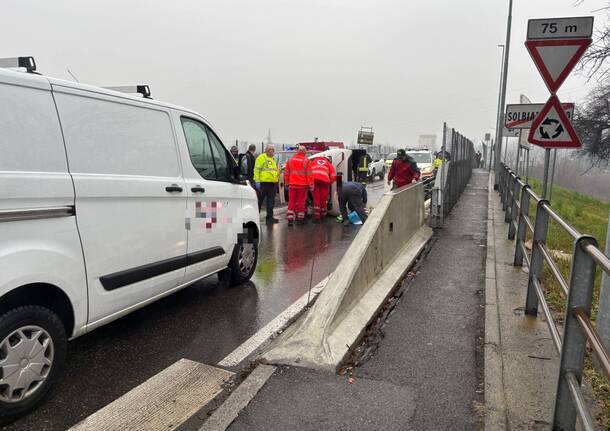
(27,63)
(144,90)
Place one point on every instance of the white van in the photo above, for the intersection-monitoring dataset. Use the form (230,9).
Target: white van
(108,202)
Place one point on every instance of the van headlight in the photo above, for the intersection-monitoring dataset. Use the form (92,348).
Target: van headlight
(427,170)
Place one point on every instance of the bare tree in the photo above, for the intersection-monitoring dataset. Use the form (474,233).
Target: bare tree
(592,122)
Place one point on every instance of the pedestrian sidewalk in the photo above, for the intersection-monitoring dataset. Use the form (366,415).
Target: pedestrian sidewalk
(427,370)
(521,363)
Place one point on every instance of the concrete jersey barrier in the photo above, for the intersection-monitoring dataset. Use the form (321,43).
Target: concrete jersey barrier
(375,262)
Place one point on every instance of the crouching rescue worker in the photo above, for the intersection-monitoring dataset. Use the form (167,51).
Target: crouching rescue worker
(402,171)
(295,176)
(352,195)
(321,176)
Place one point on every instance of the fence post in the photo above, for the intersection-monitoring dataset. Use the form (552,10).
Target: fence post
(522,230)
(514,209)
(540,230)
(603,312)
(574,344)
(509,197)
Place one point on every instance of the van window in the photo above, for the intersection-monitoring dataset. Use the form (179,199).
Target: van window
(110,137)
(223,169)
(199,148)
(30,137)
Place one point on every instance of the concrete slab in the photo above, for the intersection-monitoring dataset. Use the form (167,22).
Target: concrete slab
(522,364)
(302,399)
(163,402)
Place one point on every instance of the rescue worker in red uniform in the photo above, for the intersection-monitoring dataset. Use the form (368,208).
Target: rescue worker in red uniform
(295,177)
(402,171)
(321,176)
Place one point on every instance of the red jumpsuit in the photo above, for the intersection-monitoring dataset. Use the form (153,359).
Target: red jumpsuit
(295,177)
(321,176)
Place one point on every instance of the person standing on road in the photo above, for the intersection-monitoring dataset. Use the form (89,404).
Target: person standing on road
(438,161)
(246,164)
(352,195)
(402,171)
(266,176)
(321,176)
(296,178)
(234,152)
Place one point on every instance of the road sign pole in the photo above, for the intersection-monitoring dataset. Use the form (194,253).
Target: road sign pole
(499,129)
(552,174)
(518,158)
(527,166)
(545,180)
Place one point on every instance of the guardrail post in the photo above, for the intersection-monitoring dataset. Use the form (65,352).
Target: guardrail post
(540,231)
(505,188)
(580,294)
(509,197)
(522,230)
(513,211)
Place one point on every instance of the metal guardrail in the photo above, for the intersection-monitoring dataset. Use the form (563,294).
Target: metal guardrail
(577,329)
(452,176)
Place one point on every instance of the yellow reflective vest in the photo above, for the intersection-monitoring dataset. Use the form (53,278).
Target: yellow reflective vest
(266,170)
(438,163)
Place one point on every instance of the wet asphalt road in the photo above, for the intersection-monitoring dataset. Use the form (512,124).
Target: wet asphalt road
(204,322)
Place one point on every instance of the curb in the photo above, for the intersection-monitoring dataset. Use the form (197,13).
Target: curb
(224,416)
(495,403)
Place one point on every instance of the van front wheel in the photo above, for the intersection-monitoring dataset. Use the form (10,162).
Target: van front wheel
(33,347)
(242,264)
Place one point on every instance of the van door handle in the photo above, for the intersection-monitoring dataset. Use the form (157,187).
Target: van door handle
(173,188)
(197,189)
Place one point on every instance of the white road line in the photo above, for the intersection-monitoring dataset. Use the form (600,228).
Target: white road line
(271,328)
(224,415)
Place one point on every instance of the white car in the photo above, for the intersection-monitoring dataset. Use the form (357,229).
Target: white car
(424,159)
(108,202)
(377,167)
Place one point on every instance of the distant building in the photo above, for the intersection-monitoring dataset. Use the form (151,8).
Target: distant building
(427,141)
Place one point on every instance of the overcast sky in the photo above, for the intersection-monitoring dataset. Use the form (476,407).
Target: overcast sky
(302,68)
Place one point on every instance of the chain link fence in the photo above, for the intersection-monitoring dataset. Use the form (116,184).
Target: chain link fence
(453,174)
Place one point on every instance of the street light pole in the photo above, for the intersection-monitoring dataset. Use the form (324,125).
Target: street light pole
(498,152)
(498,118)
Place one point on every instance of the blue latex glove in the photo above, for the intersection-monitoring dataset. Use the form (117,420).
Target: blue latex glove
(258,186)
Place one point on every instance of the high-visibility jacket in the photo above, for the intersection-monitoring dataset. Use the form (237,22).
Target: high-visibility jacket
(321,169)
(295,172)
(266,170)
(437,163)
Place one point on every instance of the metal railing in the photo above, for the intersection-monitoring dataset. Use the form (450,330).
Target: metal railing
(452,176)
(578,329)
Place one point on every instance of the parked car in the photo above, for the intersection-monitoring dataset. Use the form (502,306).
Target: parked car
(376,167)
(424,159)
(95,185)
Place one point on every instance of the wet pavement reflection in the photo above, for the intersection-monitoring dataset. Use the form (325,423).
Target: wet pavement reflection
(204,322)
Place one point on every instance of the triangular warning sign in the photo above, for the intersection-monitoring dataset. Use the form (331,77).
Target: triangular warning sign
(552,128)
(556,58)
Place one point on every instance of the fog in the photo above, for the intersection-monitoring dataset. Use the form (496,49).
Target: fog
(301,69)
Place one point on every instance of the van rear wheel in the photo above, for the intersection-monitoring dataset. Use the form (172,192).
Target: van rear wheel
(242,264)
(33,346)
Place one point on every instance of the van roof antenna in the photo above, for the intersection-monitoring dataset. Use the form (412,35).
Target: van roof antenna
(144,90)
(27,63)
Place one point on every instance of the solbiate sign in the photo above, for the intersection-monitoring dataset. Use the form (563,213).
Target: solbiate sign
(521,116)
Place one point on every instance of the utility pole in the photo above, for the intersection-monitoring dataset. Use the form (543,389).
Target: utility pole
(498,149)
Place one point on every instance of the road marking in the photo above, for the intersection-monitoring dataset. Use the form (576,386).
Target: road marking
(271,328)
(161,403)
(222,417)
